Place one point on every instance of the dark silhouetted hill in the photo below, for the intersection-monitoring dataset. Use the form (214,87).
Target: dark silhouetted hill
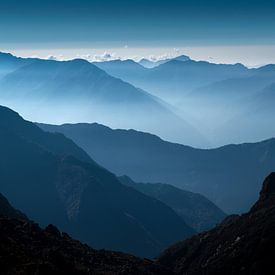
(25,248)
(52,180)
(240,245)
(230,176)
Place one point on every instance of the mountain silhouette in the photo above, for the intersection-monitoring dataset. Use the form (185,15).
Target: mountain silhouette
(154,63)
(172,80)
(219,100)
(196,210)
(230,176)
(76,90)
(52,180)
(240,245)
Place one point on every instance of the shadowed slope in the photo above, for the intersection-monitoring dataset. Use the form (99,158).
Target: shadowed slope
(25,248)
(196,210)
(53,181)
(240,245)
(230,176)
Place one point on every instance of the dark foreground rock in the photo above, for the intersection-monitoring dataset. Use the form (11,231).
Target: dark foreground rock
(240,245)
(25,248)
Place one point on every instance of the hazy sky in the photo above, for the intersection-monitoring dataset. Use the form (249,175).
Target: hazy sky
(218,30)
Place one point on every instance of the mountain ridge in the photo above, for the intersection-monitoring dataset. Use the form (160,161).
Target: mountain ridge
(147,158)
(77,90)
(64,186)
(196,210)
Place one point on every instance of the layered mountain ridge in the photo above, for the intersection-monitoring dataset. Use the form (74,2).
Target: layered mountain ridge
(77,90)
(239,245)
(230,176)
(223,101)
(53,180)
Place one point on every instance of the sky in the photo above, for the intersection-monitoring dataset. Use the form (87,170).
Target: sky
(224,31)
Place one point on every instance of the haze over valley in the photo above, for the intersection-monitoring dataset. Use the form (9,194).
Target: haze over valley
(200,104)
(137,137)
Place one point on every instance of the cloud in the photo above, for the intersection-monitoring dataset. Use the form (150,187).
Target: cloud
(55,57)
(85,56)
(105,57)
(52,57)
(155,58)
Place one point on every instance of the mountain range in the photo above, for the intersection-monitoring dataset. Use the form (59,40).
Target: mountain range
(218,99)
(239,245)
(147,63)
(197,103)
(131,191)
(76,90)
(52,180)
(235,109)
(172,80)
(230,176)
(25,248)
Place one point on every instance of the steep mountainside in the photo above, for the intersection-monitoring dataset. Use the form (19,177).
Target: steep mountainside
(76,90)
(196,210)
(230,176)
(53,181)
(240,245)
(25,248)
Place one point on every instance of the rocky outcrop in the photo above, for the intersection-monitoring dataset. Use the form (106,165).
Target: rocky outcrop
(240,245)
(25,248)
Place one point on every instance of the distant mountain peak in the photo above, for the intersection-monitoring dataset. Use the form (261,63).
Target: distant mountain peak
(149,63)
(267,68)
(182,58)
(6,55)
(77,60)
